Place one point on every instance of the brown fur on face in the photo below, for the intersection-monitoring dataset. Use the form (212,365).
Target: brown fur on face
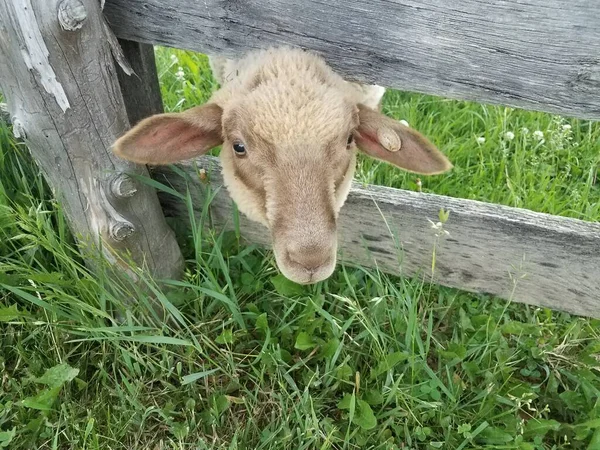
(296,155)
(294,117)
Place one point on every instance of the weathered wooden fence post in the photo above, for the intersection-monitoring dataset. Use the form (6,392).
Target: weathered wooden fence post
(140,89)
(59,79)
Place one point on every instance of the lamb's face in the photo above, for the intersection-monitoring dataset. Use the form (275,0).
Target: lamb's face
(288,153)
(288,160)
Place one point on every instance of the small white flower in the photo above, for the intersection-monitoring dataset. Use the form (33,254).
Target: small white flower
(539,135)
(509,135)
(480,140)
(439,228)
(525,130)
(566,127)
(174,59)
(180,74)
(405,123)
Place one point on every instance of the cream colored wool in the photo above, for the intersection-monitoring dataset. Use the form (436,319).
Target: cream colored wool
(289,128)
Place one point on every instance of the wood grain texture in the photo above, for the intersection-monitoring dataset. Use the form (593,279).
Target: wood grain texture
(535,54)
(140,90)
(65,103)
(512,253)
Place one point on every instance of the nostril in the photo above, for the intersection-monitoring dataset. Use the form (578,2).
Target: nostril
(310,259)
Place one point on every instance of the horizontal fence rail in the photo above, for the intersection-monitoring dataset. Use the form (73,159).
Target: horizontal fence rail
(512,253)
(535,54)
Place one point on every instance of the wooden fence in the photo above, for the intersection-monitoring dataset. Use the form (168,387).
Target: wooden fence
(62,88)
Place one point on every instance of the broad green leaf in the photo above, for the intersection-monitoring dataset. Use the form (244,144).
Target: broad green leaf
(180,430)
(435,395)
(591,424)
(35,424)
(373,397)
(574,400)
(285,355)
(304,341)
(454,350)
(346,402)
(252,308)
(262,322)
(330,347)
(247,279)
(526,446)
(44,278)
(89,427)
(388,363)
(44,400)
(495,436)
(344,372)
(364,416)
(220,403)
(520,328)
(465,321)
(286,287)
(13,280)
(464,428)
(226,337)
(539,427)
(595,441)
(7,436)
(10,313)
(58,375)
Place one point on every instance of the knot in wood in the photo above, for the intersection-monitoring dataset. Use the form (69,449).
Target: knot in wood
(71,14)
(389,139)
(119,231)
(588,79)
(123,186)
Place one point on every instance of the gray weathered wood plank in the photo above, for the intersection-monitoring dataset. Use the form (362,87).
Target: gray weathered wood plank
(512,253)
(536,54)
(141,90)
(58,76)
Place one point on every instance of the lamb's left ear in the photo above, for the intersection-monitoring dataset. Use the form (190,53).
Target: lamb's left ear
(172,137)
(388,140)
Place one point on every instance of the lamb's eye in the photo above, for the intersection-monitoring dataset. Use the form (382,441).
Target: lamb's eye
(239,149)
(350,140)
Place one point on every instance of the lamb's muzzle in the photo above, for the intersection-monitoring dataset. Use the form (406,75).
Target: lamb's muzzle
(307,264)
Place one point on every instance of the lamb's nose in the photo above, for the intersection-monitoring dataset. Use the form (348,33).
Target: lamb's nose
(312,257)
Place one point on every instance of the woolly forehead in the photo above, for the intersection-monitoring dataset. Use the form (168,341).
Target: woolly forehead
(291,113)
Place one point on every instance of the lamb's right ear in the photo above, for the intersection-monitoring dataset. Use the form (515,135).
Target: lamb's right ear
(172,137)
(388,140)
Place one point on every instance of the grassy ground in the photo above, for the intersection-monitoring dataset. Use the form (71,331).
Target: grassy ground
(249,360)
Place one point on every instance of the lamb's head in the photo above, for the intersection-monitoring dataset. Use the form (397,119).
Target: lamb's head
(288,156)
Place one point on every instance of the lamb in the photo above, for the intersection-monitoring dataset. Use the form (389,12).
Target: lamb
(290,128)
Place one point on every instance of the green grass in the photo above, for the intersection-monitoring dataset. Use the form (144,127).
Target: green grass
(247,360)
